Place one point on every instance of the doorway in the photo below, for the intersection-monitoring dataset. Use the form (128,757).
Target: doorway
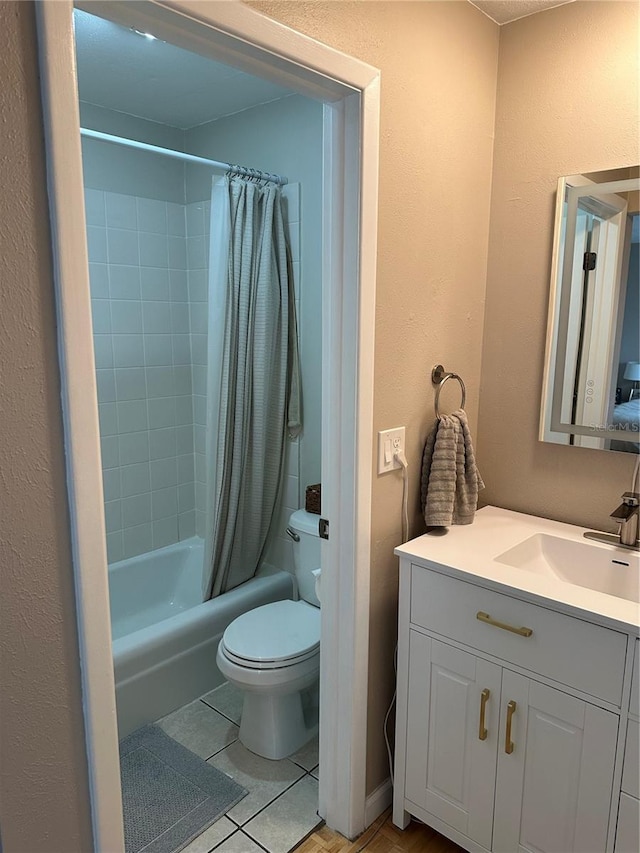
(234,34)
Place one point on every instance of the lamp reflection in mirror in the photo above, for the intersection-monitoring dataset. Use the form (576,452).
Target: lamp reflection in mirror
(632,372)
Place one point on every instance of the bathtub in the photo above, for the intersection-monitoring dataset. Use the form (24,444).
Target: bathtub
(164,637)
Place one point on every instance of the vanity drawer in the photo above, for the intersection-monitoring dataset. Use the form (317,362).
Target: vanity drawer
(630,782)
(634,706)
(573,652)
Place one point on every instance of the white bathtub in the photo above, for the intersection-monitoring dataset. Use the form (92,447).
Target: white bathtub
(164,637)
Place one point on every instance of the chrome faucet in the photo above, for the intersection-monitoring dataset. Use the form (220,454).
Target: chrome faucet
(627,517)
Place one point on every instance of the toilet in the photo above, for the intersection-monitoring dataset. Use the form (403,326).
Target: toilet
(272,654)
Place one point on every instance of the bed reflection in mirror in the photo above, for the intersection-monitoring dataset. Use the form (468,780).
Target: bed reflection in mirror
(592,368)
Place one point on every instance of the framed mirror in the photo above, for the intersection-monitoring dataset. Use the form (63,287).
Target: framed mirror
(590,395)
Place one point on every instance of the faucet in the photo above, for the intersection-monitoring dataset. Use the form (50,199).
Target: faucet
(627,517)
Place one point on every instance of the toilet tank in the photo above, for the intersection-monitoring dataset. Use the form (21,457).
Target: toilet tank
(306,552)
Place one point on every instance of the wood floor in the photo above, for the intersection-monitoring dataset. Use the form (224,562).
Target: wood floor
(381,837)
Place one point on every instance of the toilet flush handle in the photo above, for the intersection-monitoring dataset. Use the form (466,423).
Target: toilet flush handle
(293,534)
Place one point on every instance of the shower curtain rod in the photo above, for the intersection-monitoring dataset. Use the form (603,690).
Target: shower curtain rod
(242,171)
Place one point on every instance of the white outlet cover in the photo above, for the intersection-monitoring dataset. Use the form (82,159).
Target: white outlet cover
(389,442)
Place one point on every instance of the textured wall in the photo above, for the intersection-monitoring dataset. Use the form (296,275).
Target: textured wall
(438,63)
(567,104)
(44,798)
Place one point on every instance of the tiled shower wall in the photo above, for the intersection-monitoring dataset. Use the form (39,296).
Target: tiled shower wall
(141,325)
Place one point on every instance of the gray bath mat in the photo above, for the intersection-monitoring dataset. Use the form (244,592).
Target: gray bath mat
(169,795)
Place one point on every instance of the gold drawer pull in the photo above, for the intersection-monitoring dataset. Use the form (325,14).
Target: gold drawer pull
(508,743)
(521,632)
(484,698)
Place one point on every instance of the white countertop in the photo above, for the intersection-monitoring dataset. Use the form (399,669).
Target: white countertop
(469,552)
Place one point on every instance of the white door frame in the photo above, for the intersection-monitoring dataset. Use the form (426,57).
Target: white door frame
(350,89)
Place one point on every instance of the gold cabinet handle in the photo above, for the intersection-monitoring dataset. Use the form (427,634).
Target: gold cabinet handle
(508,743)
(521,632)
(484,698)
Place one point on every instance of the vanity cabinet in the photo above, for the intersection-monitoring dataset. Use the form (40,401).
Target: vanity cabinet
(507,728)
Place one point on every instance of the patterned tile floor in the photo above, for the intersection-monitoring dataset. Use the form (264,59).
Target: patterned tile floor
(281,807)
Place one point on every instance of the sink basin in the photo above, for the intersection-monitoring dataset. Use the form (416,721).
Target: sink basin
(603,568)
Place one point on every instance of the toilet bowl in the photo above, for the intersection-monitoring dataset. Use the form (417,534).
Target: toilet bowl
(272,654)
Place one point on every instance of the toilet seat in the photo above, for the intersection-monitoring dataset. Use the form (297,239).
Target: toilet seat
(274,636)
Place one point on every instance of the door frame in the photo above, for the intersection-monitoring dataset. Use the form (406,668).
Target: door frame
(350,90)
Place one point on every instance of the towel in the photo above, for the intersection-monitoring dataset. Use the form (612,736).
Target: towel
(450,478)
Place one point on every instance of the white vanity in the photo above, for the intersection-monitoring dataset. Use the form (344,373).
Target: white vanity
(518,713)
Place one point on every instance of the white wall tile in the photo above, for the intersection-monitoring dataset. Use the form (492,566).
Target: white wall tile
(108,419)
(176,219)
(94,207)
(106,382)
(126,316)
(199,349)
(160,382)
(132,416)
(162,443)
(124,281)
(155,284)
(97,244)
(198,285)
(164,473)
(186,497)
(156,317)
(121,211)
(137,540)
(130,383)
(165,532)
(158,350)
(99,281)
(195,219)
(184,410)
(186,525)
(177,253)
(164,503)
(101,316)
(134,447)
(135,479)
(196,253)
(122,246)
(178,286)
(111,483)
(162,412)
(109,451)
(180,324)
(103,350)
(112,516)
(115,548)
(184,440)
(154,250)
(128,351)
(136,510)
(181,349)
(152,215)
(183,384)
(185,468)
(199,379)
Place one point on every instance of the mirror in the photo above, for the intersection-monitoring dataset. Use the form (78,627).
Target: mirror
(591,395)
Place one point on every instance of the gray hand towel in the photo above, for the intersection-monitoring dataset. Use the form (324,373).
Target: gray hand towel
(450,478)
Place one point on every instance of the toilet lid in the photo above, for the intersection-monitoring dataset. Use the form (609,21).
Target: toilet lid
(280,632)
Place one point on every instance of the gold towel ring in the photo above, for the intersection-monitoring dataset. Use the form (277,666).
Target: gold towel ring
(439,377)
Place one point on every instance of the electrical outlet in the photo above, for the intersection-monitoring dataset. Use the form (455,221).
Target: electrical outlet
(390,441)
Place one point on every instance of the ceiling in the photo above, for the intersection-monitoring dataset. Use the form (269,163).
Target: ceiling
(503,11)
(125,71)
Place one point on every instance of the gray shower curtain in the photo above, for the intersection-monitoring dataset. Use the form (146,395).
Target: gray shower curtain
(258,387)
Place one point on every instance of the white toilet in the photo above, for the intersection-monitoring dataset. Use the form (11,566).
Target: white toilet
(272,654)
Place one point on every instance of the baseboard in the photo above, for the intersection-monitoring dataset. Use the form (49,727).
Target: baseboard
(378,801)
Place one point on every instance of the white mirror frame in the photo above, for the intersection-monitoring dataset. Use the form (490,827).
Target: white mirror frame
(350,90)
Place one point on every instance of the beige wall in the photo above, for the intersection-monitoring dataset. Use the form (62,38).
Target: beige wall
(567,104)
(438,62)
(43,788)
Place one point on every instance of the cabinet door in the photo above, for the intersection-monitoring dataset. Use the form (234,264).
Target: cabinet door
(553,789)
(450,762)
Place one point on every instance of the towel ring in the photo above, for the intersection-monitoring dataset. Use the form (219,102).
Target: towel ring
(440,378)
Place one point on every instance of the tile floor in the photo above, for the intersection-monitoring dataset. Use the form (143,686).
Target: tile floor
(281,806)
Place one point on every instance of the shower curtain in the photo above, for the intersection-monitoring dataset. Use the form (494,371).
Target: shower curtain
(253,382)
